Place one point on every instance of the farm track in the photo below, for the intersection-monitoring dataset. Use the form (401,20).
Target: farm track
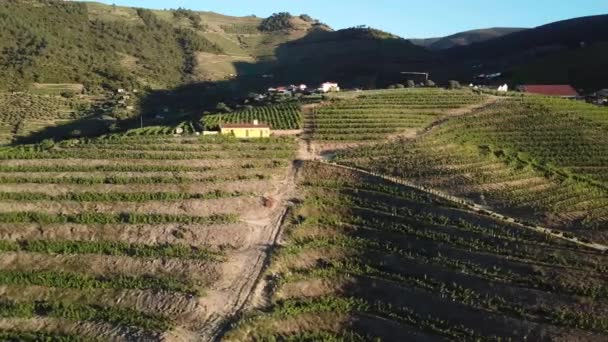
(475,207)
(241,290)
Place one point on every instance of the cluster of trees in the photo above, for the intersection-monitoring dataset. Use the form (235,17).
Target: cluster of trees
(277,22)
(194,18)
(412,84)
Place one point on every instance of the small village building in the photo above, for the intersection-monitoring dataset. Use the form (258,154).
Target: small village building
(252,130)
(560,90)
(328,87)
(600,97)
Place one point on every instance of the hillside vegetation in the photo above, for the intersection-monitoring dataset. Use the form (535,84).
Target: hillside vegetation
(465,38)
(539,158)
(121,47)
(130,237)
(110,53)
(369,260)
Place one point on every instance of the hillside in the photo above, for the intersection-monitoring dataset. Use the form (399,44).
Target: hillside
(112,46)
(568,51)
(396,214)
(465,38)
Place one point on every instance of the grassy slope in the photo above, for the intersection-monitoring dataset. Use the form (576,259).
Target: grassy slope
(552,53)
(366,260)
(543,159)
(465,38)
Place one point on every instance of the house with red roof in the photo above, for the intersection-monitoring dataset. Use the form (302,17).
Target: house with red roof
(561,90)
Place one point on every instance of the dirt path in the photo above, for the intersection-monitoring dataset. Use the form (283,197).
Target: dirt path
(476,207)
(454,113)
(468,110)
(242,273)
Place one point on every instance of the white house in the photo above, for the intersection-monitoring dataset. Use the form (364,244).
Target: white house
(329,86)
(503,88)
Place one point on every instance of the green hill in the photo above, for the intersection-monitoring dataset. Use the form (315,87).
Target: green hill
(570,51)
(465,38)
(110,46)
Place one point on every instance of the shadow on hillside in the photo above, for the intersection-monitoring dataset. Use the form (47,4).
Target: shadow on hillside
(354,58)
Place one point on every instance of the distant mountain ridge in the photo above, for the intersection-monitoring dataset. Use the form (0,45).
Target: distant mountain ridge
(465,38)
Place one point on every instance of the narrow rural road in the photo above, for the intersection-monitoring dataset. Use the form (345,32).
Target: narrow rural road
(245,269)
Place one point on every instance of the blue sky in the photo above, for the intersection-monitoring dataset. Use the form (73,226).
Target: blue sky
(407,18)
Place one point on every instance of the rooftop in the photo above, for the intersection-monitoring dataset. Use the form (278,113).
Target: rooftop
(551,90)
(244,125)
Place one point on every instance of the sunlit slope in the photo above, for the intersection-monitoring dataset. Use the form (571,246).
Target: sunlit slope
(539,158)
(130,237)
(364,259)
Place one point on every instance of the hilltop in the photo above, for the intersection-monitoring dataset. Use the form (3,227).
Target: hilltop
(570,51)
(465,38)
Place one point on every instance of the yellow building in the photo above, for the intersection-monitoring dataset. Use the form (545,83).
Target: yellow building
(254,130)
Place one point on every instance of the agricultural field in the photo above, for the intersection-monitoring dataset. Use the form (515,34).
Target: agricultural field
(22,114)
(365,259)
(373,116)
(134,237)
(283,116)
(543,160)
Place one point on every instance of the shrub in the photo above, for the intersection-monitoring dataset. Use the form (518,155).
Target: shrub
(453,84)
(277,22)
(430,84)
(411,84)
(399,86)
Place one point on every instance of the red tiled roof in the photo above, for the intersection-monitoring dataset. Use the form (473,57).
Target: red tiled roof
(551,90)
(247,125)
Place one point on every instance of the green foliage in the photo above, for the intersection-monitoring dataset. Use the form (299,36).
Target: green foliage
(118,197)
(376,114)
(38,336)
(77,312)
(84,282)
(279,116)
(34,49)
(194,17)
(453,85)
(124,218)
(111,248)
(277,22)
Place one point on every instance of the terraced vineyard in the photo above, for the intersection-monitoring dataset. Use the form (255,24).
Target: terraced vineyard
(22,114)
(544,160)
(373,116)
(286,116)
(134,237)
(365,259)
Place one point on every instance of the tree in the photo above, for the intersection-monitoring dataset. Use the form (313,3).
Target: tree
(307,18)
(277,22)
(223,108)
(411,84)
(453,84)
(430,84)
